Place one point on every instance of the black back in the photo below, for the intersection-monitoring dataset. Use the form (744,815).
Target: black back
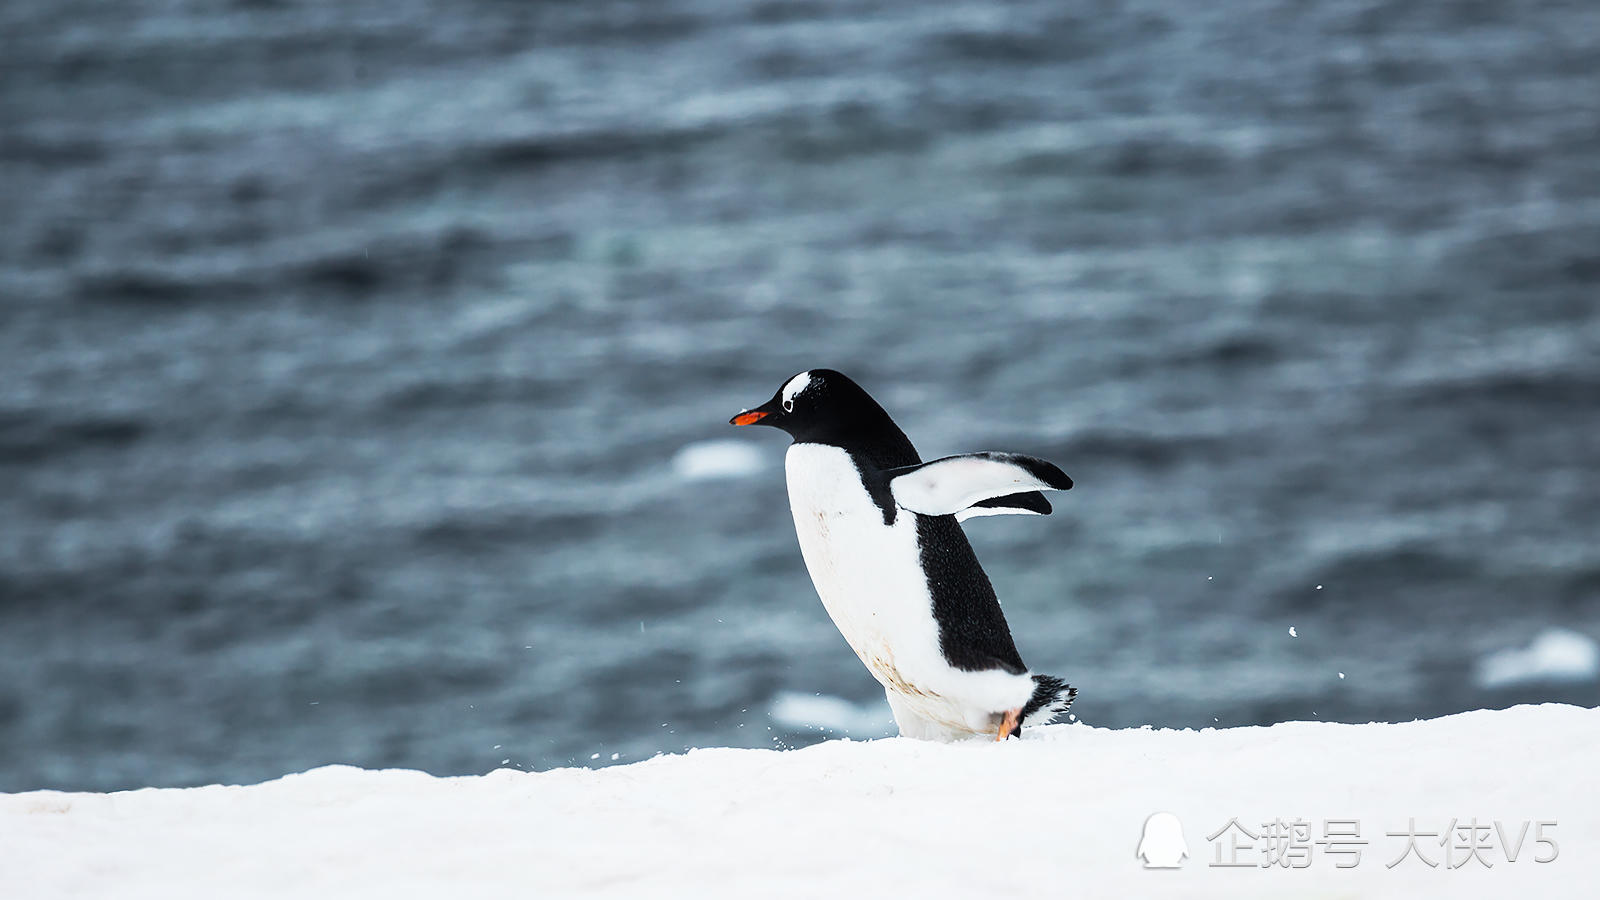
(834,410)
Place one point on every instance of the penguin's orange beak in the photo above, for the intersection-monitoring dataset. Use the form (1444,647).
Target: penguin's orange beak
(765,414)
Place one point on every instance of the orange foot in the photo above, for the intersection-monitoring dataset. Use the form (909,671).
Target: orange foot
(1010,726)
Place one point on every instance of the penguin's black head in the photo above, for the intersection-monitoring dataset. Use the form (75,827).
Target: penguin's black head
(823,406)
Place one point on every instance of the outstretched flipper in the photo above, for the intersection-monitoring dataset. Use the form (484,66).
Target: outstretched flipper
(959,484)
(1027,503)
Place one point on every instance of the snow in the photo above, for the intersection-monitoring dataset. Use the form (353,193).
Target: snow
(1059,813)
(717,459)
(1556,655)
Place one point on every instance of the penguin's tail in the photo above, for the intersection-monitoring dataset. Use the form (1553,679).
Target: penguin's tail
(1051,699)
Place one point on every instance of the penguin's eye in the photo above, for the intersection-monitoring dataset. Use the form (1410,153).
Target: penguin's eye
(788,405)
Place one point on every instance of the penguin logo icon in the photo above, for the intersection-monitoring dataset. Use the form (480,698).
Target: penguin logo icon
(1163,846)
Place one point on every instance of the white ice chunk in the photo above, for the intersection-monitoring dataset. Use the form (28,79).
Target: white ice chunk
(1556,655)
(717,459)
(795,710)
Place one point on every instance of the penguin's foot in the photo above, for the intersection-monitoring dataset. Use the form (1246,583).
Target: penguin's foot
(1011,725)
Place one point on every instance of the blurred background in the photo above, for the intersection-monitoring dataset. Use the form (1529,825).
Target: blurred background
(365,366)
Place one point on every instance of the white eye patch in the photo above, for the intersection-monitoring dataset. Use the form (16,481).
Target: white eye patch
(795,386)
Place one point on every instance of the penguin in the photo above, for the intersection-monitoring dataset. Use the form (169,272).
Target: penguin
(880,533)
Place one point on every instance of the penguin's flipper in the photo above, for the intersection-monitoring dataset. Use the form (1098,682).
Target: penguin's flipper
(1027,503)
(948,486)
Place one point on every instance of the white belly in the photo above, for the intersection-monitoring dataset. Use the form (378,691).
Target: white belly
(869,576)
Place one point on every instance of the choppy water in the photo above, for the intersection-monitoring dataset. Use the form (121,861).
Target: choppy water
(350,353)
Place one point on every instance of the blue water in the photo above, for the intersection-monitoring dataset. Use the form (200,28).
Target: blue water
(347,348)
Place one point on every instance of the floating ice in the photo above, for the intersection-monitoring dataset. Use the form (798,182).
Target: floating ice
(717,459)
(795,710)
(1556,655)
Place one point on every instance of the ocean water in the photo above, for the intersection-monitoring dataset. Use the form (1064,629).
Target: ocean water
(365,367)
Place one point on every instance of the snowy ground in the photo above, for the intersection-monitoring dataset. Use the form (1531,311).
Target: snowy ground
(1057,814)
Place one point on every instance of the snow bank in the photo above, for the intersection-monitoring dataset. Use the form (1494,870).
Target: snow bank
(1057,814)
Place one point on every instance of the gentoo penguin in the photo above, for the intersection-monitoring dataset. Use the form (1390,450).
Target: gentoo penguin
(879,530)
